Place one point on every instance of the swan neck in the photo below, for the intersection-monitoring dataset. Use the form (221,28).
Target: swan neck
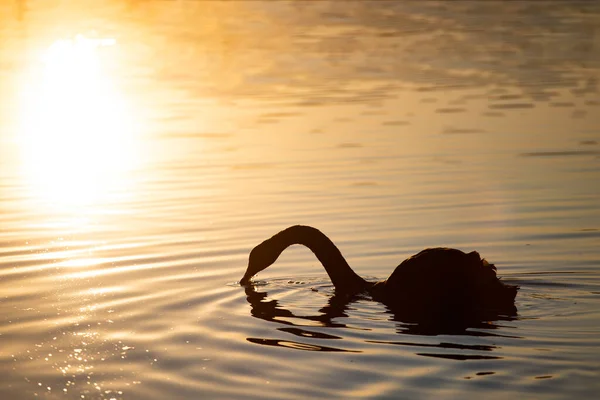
(342,276)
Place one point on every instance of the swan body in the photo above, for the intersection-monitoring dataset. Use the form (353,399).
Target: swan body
(436,280)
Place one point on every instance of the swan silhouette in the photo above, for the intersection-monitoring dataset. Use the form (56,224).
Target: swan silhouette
(435,283)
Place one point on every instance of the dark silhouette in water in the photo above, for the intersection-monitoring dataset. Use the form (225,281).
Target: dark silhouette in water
(436,287)
(337,308)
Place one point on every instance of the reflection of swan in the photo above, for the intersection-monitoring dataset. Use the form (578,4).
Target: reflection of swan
(334,316)
(433,285)
(270,310)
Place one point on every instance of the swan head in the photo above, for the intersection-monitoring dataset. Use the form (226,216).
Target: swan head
(260,258)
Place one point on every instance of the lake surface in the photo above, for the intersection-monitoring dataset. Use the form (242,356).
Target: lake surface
(146,147)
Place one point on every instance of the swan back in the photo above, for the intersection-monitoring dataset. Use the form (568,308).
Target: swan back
(442,264)
(446,279)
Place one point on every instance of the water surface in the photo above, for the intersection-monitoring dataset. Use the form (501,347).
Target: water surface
(146,147)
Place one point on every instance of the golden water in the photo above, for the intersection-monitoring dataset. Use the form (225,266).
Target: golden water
(146,147)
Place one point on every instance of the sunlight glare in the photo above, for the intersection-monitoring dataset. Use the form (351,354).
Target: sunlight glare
(75,131)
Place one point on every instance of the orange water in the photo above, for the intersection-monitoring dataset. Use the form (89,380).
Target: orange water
(146,147)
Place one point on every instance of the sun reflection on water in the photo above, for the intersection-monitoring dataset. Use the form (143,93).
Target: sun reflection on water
(76,132)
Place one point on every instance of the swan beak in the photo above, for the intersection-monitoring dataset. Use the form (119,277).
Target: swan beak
(245,280)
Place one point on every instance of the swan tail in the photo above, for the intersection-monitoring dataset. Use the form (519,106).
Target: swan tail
(496,294)
(499,297)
